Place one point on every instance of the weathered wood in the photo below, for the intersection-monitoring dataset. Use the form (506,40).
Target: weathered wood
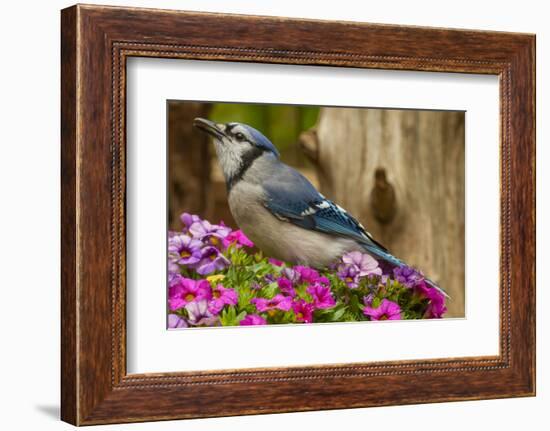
(402,175)
(188,161)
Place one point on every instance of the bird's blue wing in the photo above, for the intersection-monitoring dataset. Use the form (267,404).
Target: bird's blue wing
(291,197)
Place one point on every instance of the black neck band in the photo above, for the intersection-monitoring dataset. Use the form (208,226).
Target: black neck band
(248,159)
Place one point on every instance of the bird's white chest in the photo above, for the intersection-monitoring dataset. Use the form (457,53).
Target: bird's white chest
(281,239)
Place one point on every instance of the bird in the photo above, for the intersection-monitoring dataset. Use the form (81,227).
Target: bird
(279,209)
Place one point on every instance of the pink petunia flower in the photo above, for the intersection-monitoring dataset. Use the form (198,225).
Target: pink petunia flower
(436,307)
(303,311)
(275,262)
(322,296)
(285,286)
(387,310)
(183,291)
(238,238)
(279,302)
(221,296)
(309,275)
(253,320)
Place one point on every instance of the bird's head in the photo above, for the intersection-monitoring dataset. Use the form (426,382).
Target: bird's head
(237,146)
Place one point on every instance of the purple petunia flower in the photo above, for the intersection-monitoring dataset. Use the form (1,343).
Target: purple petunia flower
(407,276)
(367,300)
(270,278)
(285,286)
(221,296)
(175,322)
(182,291)
(349,274)
(278,302)
(365,263)
(238,238)
(173,270)
(253,320)
(199,315)
(184,250)
(387,310)
(436,307)
(303,311)
(213,233)
(322,296)
(188,219)
(211,260)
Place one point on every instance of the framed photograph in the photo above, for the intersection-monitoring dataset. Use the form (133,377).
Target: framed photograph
(268,215)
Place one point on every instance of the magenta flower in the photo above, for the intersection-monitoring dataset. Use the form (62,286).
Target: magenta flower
(303,311)
(291,274)
(238,238)
(253,320)
(211,260)
(175,322)
(285,286)
(199,315)
(183,291)
(279,302)
(322,296)
(407,276)
(309,275)
(184,250)
(275,262)
(387,310)
(364,263)
(436,307)
(221,297)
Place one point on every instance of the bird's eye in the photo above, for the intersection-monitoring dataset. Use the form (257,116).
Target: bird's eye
(239,136)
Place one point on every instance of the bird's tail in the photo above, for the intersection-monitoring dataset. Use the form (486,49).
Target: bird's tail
(395,262)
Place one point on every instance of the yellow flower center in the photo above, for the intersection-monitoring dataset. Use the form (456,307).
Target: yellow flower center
(216,294)
(212,256)
(189,297)
(349,279)
(272,312)
(185,253)
(214,240)
(300,315)
(383,317)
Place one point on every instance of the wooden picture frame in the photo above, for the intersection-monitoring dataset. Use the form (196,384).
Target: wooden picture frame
(95,43)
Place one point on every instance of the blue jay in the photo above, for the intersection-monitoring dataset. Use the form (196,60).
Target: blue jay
(278,208)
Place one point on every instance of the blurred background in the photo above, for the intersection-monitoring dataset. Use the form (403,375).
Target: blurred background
(399,172)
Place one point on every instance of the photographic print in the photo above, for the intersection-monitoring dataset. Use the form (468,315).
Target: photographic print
(227,192)
(287,214)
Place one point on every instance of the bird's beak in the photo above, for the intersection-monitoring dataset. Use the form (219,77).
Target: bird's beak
(213,129)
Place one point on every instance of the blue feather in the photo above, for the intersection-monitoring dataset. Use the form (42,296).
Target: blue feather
(289,195)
